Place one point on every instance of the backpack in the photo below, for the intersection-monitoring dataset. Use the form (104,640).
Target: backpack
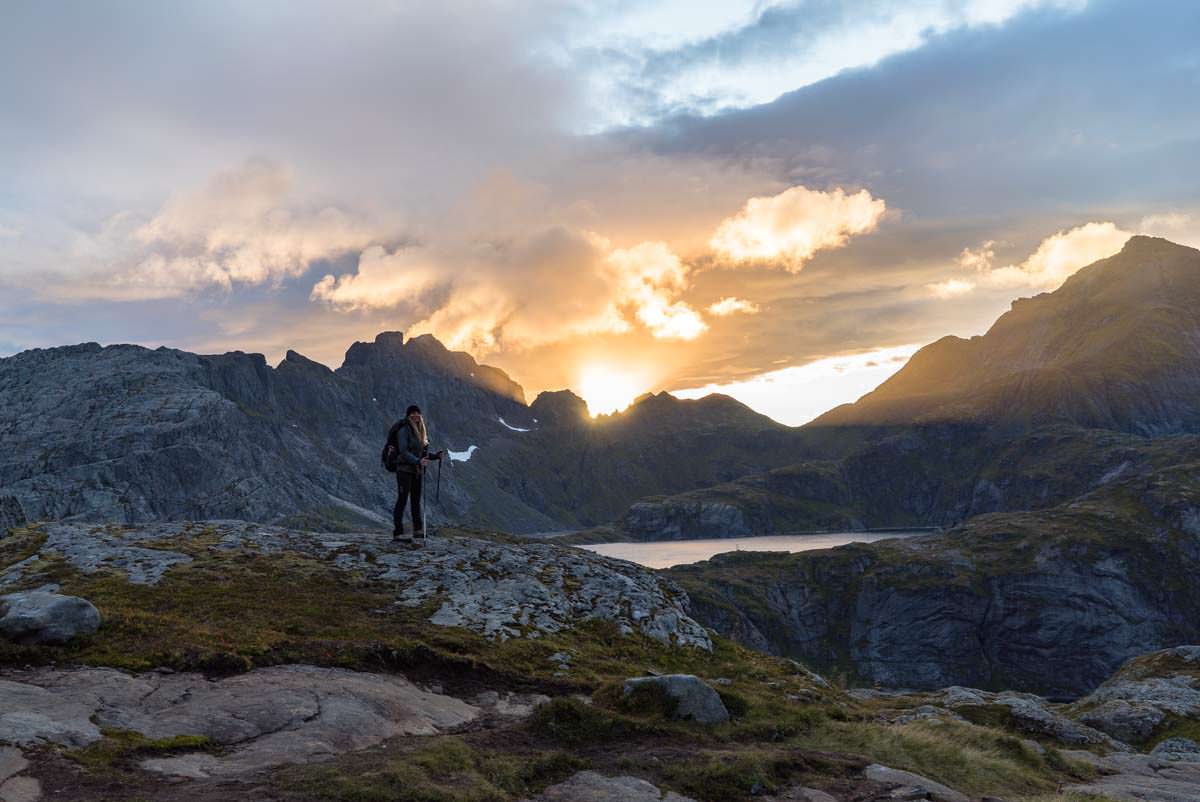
(391,461)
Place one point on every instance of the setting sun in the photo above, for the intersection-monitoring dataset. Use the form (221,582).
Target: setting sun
(608,389)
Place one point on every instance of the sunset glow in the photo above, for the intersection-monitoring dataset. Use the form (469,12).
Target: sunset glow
(765,210)
(608,388)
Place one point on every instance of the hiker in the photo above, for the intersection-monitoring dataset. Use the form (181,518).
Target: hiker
(408,447)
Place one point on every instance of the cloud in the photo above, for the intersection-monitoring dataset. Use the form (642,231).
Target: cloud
(732,306)
(951,288)
(523,292)
(382,280)
(1177,226)
(980,258)
(788,228)
(736,55)
(243,228)
(649,277)
(1059,256)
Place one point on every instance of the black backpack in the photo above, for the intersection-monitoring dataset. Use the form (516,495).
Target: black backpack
(391,459)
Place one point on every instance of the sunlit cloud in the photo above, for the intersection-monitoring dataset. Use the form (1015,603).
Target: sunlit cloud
(789,228)
(951,288)
(733,306)
(1060,256)
(649,279)
(383,280)
(980,258)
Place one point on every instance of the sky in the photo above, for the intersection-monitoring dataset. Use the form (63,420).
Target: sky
(777,200)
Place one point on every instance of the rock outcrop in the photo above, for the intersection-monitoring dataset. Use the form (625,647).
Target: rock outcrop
(497,589)
(1050,601)
(1146,696)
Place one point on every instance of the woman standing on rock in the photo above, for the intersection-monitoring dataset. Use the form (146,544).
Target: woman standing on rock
(408,443)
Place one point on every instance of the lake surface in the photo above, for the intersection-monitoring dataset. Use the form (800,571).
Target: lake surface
(665,553)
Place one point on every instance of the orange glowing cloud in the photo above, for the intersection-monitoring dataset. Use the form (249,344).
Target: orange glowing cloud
(1055,259)
(789,228)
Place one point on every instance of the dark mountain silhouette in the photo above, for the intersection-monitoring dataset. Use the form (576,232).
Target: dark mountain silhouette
(125,433)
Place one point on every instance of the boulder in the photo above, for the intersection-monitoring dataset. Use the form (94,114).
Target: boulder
(906,780)
(41,617)
(1177,749)
(1132,722)
(590,786)
(695,699)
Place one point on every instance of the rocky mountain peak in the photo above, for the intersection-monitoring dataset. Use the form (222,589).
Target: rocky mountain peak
(559,408)
(1116,346)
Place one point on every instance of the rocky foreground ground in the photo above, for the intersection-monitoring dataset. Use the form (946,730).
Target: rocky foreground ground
(227,660)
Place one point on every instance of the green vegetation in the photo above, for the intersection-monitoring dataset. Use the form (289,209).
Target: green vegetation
(122,748)
(446,769)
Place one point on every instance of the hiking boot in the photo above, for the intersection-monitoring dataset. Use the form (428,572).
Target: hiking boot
(419,536)
(400,537)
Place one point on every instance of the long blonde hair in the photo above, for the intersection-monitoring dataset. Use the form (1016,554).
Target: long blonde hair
(418,426)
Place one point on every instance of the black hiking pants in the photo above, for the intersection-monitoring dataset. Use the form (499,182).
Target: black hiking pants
(407,484)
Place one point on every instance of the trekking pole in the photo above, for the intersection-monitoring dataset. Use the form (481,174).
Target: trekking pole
(438,495)
(424,533)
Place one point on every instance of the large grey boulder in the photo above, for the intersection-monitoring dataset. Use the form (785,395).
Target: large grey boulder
(590,786)
(41,617)
(906,779)
(694,699)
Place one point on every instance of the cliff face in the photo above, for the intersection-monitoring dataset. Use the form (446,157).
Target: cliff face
(1051,601)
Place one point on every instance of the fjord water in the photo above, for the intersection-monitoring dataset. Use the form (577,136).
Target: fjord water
(666,553)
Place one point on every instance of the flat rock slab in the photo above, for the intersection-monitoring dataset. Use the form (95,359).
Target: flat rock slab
(590,786)
(1144,777)
(284,714)
(906,779)
(20,789)
(12,761)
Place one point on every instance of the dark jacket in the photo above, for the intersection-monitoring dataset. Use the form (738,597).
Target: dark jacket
(408,447)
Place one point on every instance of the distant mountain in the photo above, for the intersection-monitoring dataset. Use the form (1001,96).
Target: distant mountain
(1064,389)
(1116,347)
(129,434)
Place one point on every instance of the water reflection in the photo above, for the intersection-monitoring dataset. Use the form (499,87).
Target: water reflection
(665,553)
